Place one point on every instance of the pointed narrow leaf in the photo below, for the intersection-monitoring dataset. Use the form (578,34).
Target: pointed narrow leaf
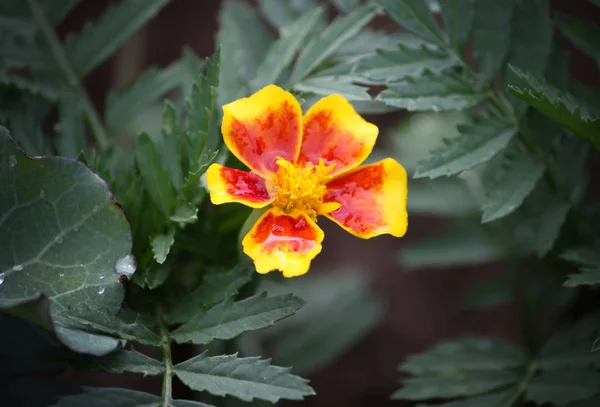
(511,176)
(584,35)
(228,319)
(283,51)
(491,35)
(414,16)
(476,144)
(99,40)
(244,378)
(431,92)
(320,48)
(328,86)
(588,258)
(560,388)
(116,397)
(458,17)
(122,361)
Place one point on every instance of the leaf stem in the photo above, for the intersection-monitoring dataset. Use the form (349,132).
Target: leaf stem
(522,386)
(58,53)
(167,385)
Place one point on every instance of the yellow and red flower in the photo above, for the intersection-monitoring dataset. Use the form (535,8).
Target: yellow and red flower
(303,167)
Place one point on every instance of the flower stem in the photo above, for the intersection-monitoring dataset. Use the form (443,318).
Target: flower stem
(167,385)
(58,53)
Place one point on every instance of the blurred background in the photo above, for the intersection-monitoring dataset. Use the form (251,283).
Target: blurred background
(370,303)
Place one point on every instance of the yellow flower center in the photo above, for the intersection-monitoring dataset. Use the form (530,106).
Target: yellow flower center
(302,188)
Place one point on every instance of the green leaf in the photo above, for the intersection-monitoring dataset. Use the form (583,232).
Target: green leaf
(491,35)
(66,204)
(594,401)
(156,275)
(46,87)
(115,397)
(583,35)
(57,10)
(414,16)
(185,213)
(489,293)
(346,5)
(476,144)
(559,106)
(496,399)
(99,40)
(161,246)
(458,17)
(192,182)
(244,378)
(25,121)
(135,98)
(531,43)
(154,174)
(562,387)
(476,354)
(283,51)
(433,92)
(72,132)
(571,347)
(123,361)
(215,288)
(510,178)
(328,86)
(341,30)
(460,383)
(588,258)
(461,247)
(228,319)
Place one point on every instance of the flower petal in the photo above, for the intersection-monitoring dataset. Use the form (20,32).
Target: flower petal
(286,242)
(262,127)
(231,185)
(373,199)
(334,132)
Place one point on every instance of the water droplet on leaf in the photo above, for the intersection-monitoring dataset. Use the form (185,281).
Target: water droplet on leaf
(1,278)
(12,160)
(126,265)
(101,277)
(17,267)
(61,275)
(101,290)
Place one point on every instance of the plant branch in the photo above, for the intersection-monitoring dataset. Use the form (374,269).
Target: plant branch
(58,53)
(167,385)
(522,386)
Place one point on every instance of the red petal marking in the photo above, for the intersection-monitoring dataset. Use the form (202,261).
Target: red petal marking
(293,234)
(274,133)
(245,185)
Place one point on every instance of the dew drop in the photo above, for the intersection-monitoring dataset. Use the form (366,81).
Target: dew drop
(12,160)
(58,240)
(126,265)
(61,275)
(17,267)
(101,290)
(101,277)
(42,193)
(2,275)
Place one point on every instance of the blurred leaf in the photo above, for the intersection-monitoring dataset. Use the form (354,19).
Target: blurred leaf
(66,204)
(99,40)
(588,259)
(47,87)
(491,35)
(122,361)
(559,106)
(414,16)
(341,30)
(510,178)
(328,86)
(476,144)
(496,399)
(461,247)
(489,293)
(346,5)
(185,213)
(562,387)
(154,174)
(444,196)
(244,378)
(25,121)
(115,397)
(584,35)
(458,17)
(435,92)
(284,50)
(72,137)
(161,246)
(228,319)
(156,275)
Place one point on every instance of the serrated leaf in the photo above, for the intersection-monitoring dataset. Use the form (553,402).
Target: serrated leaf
(47,87)
(156,275)
(562,387)
(72,135)
(228,319)
(467,383)
(510,178)
(244,378)
(497,399)
(161,246)
(116,397)
(192,182)
(122,361)
(491,35)
(476,354)
(433,92)
(185,213)
(216,287)
(66,204)
(321,47)
(588,258)
(328,86)
(559,106)
(476,144)
(458,17)
(283,50)
(99,40)
(414,16)
(154,174)
(582,34)
(462,247)
(135,98)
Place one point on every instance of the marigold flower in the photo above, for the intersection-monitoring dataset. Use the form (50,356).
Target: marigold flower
(303,167)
